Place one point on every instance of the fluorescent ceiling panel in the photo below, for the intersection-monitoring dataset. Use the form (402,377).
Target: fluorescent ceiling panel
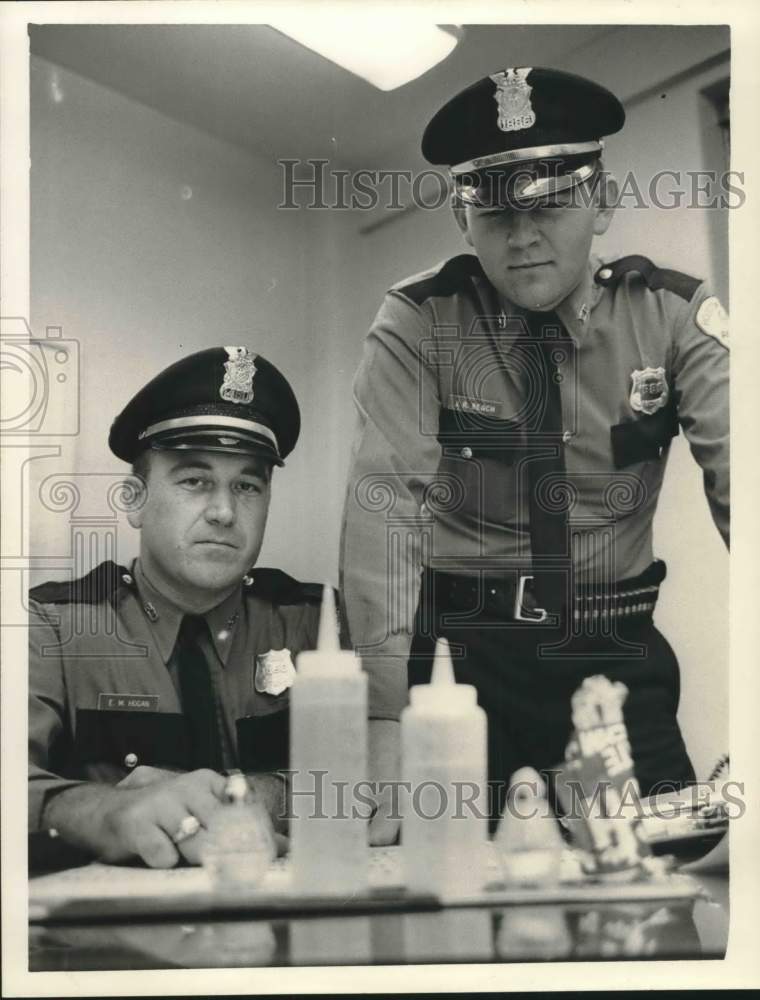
(382,52)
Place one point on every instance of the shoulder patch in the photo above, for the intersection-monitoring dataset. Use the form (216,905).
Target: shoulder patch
(452,277)
(280,588)
(656,278)
(99,585)
(712,319)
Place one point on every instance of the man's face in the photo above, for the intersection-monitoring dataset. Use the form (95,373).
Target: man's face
(535,256)
(202,522)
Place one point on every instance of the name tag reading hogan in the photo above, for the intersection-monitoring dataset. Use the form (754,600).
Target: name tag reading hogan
(127,702)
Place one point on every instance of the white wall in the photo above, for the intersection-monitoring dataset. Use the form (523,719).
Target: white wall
(664,133)
(151,240)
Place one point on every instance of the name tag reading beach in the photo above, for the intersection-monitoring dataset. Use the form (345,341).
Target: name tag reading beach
(466,404)
(127,702)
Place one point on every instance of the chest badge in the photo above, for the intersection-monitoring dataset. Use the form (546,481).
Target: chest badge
(274,672)
(649,390)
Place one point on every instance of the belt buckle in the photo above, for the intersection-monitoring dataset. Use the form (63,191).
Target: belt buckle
(537,615)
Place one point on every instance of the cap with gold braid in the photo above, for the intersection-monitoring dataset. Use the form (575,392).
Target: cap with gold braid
(225,399)
(540,128)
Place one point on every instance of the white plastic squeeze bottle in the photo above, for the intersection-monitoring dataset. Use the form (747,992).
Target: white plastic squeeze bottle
(328,755)
(240,844)
(528,839)
(444,757)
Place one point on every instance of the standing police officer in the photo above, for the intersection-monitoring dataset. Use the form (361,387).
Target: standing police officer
(147,684)
(515,413)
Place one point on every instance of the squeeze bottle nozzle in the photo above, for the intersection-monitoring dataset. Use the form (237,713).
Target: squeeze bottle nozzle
(443,668)
(328,640)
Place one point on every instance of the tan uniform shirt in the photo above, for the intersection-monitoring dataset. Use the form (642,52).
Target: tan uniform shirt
(103,691)
(442,399)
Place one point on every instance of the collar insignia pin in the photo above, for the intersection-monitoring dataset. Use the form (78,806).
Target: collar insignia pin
(237,386)
(649,390)
(274,672)
(513,99)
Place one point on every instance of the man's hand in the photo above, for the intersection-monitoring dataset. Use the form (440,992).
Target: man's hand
(270,788)
(144,821)
(190,848)
(121,823)
(384,766)
(145,775)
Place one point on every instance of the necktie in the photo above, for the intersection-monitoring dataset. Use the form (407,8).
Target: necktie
(547,508)
(197,693)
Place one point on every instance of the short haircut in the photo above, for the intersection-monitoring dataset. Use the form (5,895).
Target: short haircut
(141,465)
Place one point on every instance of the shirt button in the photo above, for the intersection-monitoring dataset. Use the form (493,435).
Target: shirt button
(130,760)
(606,272)
(466,452)
(566,435)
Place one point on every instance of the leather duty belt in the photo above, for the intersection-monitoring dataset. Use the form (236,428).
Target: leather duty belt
(510,598)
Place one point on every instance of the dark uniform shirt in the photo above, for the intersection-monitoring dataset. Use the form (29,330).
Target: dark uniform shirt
(647,352)
(103,684)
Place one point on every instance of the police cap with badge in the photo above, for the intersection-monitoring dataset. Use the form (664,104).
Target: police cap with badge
(522,134)
(226,399)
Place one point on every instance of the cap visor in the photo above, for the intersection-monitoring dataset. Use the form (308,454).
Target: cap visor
(214,440)
(520,188)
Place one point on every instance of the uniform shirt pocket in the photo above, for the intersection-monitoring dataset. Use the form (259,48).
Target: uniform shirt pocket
(479,467)
(264,740)
(474,435)
(642,439)
(129,739)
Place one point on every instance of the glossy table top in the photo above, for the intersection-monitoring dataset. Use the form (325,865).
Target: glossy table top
(652,929)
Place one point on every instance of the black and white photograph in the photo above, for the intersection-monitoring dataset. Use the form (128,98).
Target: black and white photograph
(367,441)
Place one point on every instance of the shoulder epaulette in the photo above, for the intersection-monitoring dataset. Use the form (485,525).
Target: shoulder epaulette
(449,279)
(655,277)
(279,588)
(100,584)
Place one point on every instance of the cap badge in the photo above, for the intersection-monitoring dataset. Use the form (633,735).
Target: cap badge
(649,391)
(237,386)
(275,672)
(513,98)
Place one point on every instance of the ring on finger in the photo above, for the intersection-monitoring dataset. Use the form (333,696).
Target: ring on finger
(189,826)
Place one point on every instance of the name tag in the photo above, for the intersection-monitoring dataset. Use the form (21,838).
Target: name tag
(127,702)
(466,404)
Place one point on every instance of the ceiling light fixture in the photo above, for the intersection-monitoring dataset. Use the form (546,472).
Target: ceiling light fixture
(383,52)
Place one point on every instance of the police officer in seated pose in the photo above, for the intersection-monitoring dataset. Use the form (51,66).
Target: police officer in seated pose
(515,409)
(148,683)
